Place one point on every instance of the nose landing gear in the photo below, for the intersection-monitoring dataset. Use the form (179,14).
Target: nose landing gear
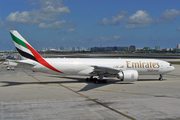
(161,77)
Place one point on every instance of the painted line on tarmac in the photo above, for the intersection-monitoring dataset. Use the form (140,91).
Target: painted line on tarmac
(33,77)
(94,100)
(133,93)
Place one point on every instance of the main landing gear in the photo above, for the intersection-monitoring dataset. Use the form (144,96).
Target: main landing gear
(95,80)
(161,77)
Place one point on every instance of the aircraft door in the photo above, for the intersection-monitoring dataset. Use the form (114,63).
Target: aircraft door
(162,66)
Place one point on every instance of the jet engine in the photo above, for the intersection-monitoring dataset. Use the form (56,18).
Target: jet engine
(128,75)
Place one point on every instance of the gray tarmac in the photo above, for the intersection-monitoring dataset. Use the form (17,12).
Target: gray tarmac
(27,95)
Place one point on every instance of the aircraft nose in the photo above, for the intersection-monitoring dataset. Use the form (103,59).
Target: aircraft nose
(173,67)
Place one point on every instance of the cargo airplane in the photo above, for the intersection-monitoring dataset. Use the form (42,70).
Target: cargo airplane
(124,69)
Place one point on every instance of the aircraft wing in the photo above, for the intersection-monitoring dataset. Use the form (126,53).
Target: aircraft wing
(25,63)
(19,63)
(101,70)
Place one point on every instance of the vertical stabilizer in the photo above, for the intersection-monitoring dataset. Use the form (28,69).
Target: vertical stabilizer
(27,51)
(22,46)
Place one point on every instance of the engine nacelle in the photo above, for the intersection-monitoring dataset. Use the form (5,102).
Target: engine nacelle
(128,75)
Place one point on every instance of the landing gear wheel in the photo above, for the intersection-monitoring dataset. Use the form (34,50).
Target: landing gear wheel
(161,77)
(104,81)
(87,79)
(91,78)
(96,81)
(99,81)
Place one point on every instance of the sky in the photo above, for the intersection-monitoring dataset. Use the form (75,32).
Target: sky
(91,23)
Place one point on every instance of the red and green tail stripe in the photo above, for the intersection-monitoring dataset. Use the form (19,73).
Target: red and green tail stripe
(26,50)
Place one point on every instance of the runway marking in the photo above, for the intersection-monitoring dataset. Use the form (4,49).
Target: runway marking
(132,93)
(94,100)
(160,96)
(128,92)
(107,90)
(34,77)
(88,98)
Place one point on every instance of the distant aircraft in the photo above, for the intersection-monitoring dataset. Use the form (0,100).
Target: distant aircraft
(123,69)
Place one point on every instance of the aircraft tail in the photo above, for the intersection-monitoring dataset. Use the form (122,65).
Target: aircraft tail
(27,51)
(23,47)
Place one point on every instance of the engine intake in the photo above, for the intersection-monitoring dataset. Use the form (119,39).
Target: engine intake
(128,75)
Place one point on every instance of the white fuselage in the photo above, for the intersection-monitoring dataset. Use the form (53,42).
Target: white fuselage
(83,66)
(123,69)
